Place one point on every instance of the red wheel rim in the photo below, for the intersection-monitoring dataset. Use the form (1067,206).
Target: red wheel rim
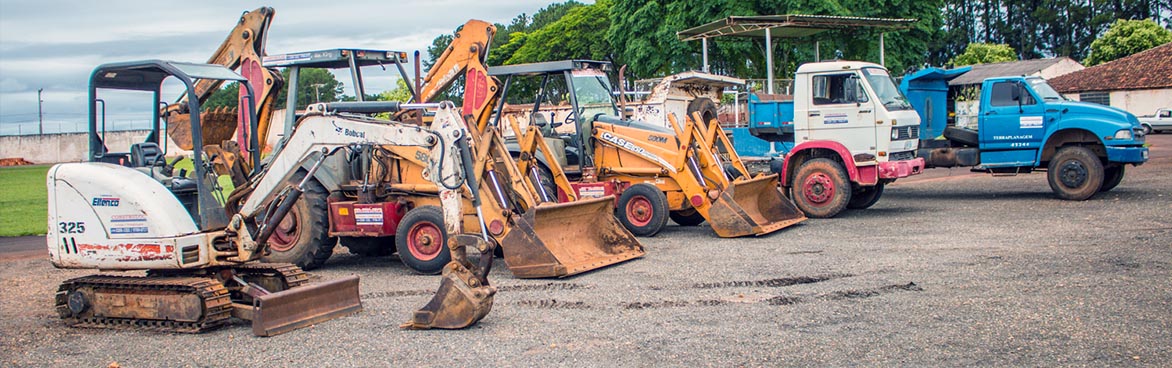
(286,234)
(818,188)
(639,211)
(424,241)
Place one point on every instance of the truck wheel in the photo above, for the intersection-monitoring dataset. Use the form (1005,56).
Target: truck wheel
(1112,177)
(1147,128)
(421,240)
(865,197)
(368,246)
(642,209)
(302,237)
(1075,173)
(821,188)
(688,217)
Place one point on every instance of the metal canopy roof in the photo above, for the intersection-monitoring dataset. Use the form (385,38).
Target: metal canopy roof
(547,67)
(147,75)
(787,26)
(335,58)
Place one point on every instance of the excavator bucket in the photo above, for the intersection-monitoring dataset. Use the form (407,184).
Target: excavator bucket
(461,301)
(564,239)
(218,125)
(294,308)
(752,207)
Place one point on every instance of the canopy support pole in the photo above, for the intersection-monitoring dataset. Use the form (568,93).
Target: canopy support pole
(768,61)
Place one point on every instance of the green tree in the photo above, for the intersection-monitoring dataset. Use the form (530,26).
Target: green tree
(1126,37)
(401,93)
(984,53)
(580,33)
(314,83)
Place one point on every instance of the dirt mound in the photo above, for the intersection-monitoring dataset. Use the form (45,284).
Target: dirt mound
(15,161)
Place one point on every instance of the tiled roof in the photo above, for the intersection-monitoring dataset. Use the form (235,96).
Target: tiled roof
(981,72)
(1149,69)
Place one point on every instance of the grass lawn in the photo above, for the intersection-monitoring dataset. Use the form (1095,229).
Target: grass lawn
(23,200)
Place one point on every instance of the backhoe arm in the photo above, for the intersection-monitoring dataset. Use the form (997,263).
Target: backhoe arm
(465,56)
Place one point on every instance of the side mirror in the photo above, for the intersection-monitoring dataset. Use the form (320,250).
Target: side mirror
(628,113)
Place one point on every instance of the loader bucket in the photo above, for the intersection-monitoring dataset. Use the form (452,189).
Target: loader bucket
(217,125)
(294,308)
(563,239)
(752,207)
(461,301)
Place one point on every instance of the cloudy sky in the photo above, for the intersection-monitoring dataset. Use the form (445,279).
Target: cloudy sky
(54,45)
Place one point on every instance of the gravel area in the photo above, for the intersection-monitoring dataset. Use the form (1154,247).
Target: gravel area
(950,269)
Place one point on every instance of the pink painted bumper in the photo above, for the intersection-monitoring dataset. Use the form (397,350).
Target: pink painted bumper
(901,169)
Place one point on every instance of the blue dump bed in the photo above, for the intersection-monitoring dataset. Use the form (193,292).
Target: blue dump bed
(770,132)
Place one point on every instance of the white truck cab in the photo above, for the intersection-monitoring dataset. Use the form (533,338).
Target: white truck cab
(858,105)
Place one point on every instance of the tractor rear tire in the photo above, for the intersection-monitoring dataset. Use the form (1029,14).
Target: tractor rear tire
(1112,177)
(865,197)
(642,209)
(705,107)
(422,241)
(368,246)
(688,217)
(1075,173)
(303,237)
(821,188)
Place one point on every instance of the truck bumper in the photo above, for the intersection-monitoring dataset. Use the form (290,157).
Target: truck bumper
(901,169)
(1127,154)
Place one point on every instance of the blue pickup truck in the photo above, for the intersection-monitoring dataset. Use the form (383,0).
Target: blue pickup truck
(1020,124)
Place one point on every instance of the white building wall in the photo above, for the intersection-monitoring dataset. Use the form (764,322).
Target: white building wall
(69,147)
(1142,102)
(1064,66)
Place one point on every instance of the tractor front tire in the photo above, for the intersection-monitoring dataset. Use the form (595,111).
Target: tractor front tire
(642,209)
(688,217)
(422,241)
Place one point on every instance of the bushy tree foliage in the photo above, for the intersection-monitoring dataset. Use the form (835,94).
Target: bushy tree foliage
(312,85)
(1126,37)
(984,53)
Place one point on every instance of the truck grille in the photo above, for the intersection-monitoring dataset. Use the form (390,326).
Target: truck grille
(902,156)
(905,132)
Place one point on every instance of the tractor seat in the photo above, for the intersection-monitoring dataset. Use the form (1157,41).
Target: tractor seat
(964,136)
(144,154)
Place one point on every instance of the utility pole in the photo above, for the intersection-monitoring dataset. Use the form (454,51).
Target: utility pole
(40,115)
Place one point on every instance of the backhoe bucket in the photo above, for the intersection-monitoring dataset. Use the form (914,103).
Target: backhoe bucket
(218,125)
(563,239)
(752,207)
(460,302)
(298,307)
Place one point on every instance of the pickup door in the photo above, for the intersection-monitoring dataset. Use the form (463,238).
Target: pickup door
(1011,133)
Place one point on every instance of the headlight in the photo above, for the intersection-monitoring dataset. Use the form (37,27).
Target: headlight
(895,133)
(1123,134)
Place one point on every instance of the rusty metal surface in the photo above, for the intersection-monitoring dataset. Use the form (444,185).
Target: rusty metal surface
(461,301)
(174,304)
(218,125)
(752,207)
(298,307)
(564,239)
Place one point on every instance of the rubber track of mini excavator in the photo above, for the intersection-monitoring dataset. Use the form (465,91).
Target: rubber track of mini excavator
(217,305)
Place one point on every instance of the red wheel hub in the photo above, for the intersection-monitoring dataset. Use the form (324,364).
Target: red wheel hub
(818,188)
(639,211)
(287,233)
(425,240)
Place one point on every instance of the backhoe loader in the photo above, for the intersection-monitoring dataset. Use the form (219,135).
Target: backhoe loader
(561,239)
(241,51)
(657,172)
(132,211)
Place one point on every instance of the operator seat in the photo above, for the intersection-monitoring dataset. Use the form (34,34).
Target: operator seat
(144,154)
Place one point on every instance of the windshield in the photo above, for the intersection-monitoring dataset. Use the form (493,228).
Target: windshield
(1044,90)
(885,89)
(593,92)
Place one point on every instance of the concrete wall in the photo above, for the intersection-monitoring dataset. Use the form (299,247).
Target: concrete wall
(69,147)
(1064,66)
(1142,102)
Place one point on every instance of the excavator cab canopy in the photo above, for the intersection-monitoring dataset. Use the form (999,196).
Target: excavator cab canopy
(149,76)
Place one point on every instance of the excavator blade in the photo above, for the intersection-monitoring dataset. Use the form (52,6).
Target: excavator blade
(563,239)
(217,125)
(298,307)
(461,301)
(752,207)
